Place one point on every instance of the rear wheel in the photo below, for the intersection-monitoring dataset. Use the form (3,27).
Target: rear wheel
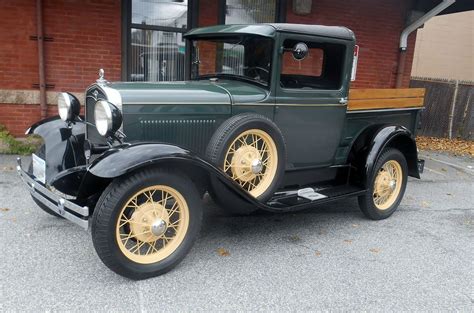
(386,186)
(146,223)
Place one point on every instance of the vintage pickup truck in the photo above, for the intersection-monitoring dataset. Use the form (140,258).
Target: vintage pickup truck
(264,122)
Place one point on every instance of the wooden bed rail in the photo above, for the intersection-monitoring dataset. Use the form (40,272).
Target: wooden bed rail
(372,99)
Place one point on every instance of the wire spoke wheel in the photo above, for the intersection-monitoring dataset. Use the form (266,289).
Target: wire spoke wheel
(387,185)
(252,161)
(152,224)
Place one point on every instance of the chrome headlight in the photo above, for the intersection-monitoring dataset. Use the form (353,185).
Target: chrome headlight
(68,106)
(108,118)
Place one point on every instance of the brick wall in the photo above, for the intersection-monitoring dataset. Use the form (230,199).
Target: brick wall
(18,117)
(18,54)
(208,12)
(86,36)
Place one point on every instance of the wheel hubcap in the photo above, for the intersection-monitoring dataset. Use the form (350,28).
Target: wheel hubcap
(242,163)
(158,227)
(144,218)
(256,166)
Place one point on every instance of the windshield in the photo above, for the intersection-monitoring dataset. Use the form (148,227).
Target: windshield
(237,57)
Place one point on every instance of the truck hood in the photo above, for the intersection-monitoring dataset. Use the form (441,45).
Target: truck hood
(189,92)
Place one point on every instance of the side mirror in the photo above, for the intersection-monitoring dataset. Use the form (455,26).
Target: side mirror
(300,51)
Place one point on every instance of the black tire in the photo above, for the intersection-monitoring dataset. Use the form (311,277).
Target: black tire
(219,144)
(109,207)
(41,153)
(366,202)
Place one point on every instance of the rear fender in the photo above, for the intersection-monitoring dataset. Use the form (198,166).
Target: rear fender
(370,144)
(63,144)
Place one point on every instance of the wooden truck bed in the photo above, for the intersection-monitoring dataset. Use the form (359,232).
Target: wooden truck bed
(372,99)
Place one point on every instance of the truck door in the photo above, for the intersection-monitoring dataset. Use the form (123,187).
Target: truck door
(311,97)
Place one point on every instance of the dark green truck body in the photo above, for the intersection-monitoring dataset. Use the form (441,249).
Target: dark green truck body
(318,129)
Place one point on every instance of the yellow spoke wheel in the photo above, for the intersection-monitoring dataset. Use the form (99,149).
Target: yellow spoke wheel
(388,181)
(152,224)
(387,185)
(252,161)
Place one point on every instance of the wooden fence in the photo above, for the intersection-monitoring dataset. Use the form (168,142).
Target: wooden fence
(449,108)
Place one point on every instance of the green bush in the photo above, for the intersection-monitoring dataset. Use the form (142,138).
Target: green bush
(10,145)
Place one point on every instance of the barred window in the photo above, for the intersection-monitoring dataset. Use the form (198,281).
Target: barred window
(157,48)
(154,47)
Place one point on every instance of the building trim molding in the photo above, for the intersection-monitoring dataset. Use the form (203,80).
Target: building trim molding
(16,96)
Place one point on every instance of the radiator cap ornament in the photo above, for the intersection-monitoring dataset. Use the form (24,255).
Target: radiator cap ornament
(101,80)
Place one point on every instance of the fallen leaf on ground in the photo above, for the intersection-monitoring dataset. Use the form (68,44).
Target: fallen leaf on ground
(425,204)
(348,241)
(294,238)
(317,253)
(4,209)
(223,252)
(374,250)
(456,146)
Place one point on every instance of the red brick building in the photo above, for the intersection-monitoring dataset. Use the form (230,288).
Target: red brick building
(125,37)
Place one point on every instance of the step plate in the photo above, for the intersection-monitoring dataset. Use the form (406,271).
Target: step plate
(298,199)
(310,194)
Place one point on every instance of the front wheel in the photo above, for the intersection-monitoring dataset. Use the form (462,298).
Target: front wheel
(146,223)
(386,186)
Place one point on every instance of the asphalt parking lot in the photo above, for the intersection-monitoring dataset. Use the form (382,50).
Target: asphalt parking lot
(327,258)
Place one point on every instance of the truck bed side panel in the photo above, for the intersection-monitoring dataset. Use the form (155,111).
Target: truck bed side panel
(358,121)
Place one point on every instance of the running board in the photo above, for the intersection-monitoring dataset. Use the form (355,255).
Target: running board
(300,199)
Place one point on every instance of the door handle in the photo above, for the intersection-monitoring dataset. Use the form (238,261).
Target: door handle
(343,101)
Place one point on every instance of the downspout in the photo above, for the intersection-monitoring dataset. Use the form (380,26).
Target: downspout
(41,70)
(409,29)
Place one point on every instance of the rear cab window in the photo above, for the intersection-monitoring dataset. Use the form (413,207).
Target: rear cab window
(322,68)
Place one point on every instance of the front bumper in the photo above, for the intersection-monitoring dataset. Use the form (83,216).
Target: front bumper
(55,202)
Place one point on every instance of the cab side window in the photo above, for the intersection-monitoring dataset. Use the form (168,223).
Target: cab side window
(322,68)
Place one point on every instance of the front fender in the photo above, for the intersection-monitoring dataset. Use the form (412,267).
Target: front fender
(127,158)
(63,144)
